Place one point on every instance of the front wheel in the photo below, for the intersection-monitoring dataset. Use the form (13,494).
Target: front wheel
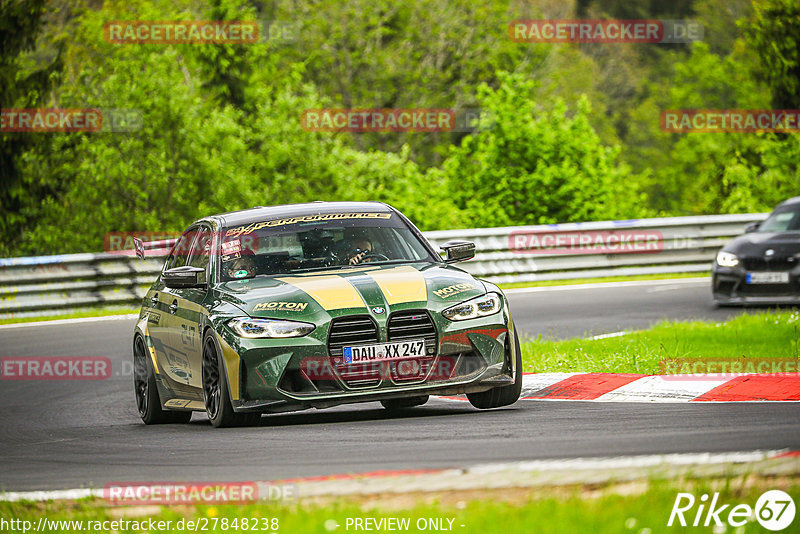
(216,392)
(144,385)
(501,395)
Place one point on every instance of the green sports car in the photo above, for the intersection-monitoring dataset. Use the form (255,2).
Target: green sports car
(284,308)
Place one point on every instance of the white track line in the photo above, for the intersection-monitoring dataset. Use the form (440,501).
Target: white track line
(612,334)
(609,285)
(59,322)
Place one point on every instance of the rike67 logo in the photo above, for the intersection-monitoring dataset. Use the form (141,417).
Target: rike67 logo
(774,510)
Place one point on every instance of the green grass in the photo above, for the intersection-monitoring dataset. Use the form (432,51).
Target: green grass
(622,509)
(761,335)
(98,312)
(600,280)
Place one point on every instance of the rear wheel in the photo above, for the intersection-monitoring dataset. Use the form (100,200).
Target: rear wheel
(144,384)
(408,402)
(502,395)
(216,392)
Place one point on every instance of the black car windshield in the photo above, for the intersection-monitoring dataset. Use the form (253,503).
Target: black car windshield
(782,220)
(317,242)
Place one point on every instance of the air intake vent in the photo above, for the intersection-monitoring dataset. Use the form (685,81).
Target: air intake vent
(353,330)
(775,263)
(412,324)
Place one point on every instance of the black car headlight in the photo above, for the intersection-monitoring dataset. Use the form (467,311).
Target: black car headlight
(727,259)
(487,304)
(269,328)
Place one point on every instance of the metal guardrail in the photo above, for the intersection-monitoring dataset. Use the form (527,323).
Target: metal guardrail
(45,285)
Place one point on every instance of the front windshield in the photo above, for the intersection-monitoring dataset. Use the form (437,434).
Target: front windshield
(317,242)
(782,220)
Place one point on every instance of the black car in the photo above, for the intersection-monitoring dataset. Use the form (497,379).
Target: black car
(763,265)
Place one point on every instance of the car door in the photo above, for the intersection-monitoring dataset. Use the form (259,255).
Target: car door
(157,302)
(173,356)
(187,311)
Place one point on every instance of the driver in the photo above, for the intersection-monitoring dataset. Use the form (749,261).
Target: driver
(242,267)
(363,247)
(358,247)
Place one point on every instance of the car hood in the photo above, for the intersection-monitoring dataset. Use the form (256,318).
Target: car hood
(757,243)
(380,289)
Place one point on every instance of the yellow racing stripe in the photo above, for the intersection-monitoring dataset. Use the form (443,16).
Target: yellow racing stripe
(401,284)
(232,360)
(330,291)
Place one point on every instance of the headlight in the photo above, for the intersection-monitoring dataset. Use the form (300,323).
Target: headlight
(727,259)
(488,304)
(269,328)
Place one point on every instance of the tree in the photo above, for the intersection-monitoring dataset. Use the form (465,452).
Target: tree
(538,164)
(20,86)
(773,32)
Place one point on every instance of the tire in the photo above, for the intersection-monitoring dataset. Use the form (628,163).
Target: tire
(408,402)
(216,392)
(148,402)
(501,395)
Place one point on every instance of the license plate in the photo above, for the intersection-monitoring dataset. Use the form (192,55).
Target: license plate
(379,352)
(767,278)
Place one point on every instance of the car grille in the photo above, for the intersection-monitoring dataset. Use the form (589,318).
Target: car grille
(361,329)
(412,324)
(353,330)
(768,290)
(775,263)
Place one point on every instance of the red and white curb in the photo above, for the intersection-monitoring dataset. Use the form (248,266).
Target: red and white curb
(521,474)
(615,387)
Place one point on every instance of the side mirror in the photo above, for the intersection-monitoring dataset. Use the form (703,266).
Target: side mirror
(456,251)
(752,227)
(183,277)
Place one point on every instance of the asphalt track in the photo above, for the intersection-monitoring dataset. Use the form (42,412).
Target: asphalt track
(595,309)
(73,434)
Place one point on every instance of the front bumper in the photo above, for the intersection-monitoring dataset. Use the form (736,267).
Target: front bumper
(729,286)
(298,373)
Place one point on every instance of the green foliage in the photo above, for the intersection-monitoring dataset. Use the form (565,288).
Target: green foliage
(21,86)
(774,33)
(537,166)
(418,54)
(724,172)
(574,135)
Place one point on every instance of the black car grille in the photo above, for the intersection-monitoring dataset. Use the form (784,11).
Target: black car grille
(774,263)
(361,330)
(353,330)
(412,324)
